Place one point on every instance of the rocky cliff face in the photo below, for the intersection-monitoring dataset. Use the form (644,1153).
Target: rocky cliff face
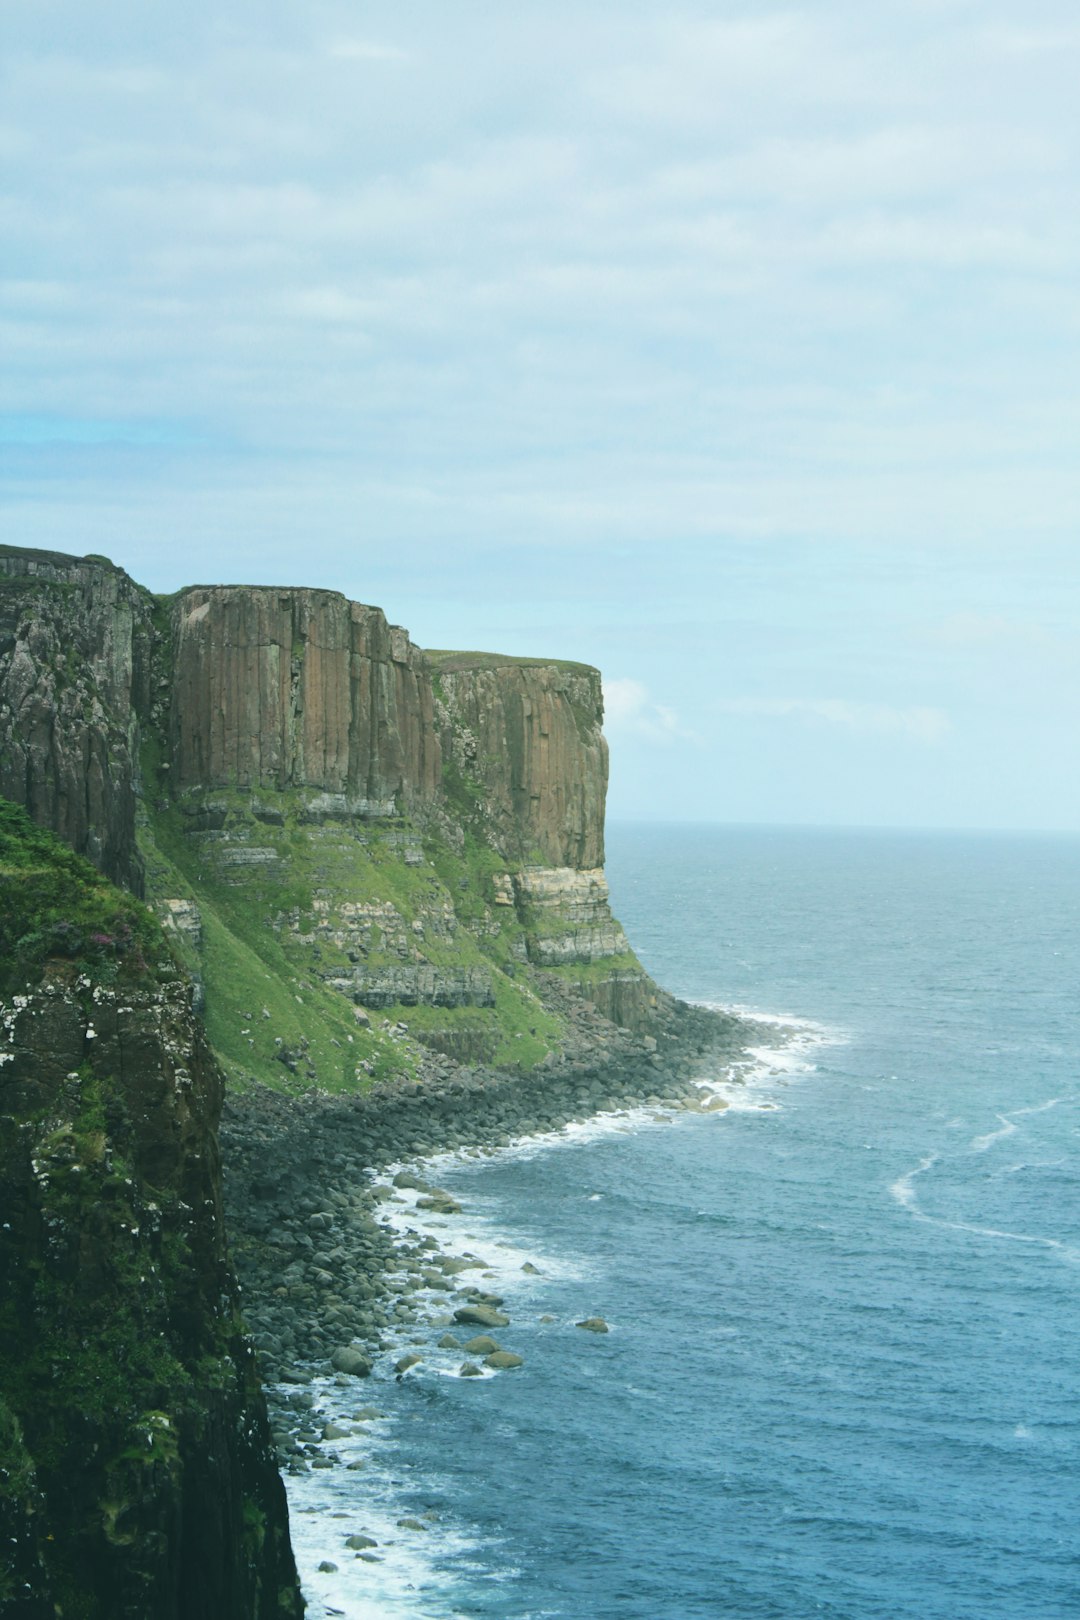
(136,1472)
(299,689)
(529,735)
(75,640)
(375,863)
(397,843)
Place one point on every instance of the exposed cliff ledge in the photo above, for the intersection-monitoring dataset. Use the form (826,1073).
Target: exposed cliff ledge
(136,1473)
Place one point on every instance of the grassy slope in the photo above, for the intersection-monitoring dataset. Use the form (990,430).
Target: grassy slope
(253,966)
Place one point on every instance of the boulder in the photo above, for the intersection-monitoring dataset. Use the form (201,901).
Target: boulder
(347,1359)
(483,1316)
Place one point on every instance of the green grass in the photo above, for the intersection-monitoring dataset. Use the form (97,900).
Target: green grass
(589,973)
(54,904)
(254,958)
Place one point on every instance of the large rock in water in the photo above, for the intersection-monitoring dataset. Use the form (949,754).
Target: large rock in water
(137,1477)
(481,1316)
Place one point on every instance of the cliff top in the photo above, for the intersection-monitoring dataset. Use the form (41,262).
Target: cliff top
(451,662)
(36,560)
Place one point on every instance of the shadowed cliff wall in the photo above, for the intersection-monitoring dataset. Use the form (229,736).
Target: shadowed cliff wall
(75,643)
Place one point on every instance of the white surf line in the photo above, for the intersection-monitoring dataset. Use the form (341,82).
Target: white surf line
(758,1067)
(904,1192)
(903,1189)
(979,1144)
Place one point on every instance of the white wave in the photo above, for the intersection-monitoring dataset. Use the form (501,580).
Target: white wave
(903,1189)
(1066,1250)
(980,1144)
(1043,1107)
(472,1236)
(327,1506)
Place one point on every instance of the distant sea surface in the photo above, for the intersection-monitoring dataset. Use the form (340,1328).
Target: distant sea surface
(843,1372)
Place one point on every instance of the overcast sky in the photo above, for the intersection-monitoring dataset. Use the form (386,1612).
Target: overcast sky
(733,349)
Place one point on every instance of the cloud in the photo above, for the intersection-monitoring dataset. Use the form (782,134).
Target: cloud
(629,708)
(920,724)
(366,50)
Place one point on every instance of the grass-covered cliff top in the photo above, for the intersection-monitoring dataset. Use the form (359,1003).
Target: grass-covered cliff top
(449,662)
(55,904)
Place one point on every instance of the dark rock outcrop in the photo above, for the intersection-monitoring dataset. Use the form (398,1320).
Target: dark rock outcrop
(75,643)
(136,1476)
(132,1423)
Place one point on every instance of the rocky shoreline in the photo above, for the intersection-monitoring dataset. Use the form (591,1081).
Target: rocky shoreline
(332,1286)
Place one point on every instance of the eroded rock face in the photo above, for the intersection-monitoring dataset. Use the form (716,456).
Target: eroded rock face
(75,643)
(137,1475)
(568,915)
(300,688)
(530,735)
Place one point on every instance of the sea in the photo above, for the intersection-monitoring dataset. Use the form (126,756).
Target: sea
(842,1371)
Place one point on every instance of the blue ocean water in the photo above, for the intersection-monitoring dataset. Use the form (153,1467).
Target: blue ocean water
(843,1376)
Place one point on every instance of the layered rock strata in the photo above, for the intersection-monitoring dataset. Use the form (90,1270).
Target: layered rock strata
(529,734)
(568,916)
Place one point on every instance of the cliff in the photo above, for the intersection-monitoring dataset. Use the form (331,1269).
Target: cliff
(299,689)
(136,1473)
(367,863)
(529,734)
(363,852)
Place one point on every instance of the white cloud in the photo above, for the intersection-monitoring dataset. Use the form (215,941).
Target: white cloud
(920,724)
(628,707)
(366,50)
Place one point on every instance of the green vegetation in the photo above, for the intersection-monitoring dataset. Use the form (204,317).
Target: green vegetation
(55,904)
(584,974)
(289,902)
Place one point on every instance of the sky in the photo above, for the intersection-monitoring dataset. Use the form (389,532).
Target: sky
(732,348)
